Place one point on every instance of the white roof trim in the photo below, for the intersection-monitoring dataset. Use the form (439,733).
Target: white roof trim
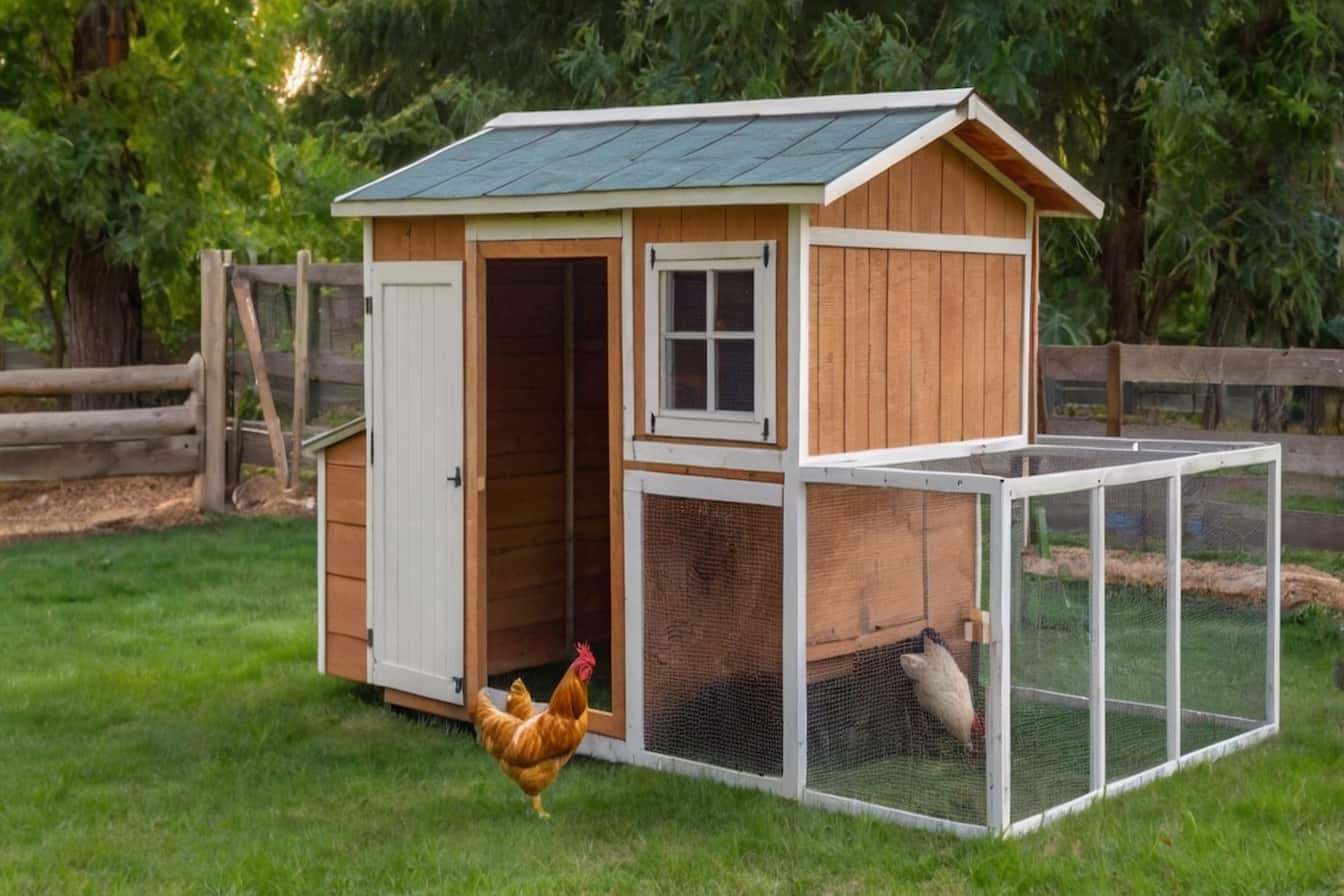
(798,194)
(864,102)
(906,146)
(981,112)
(332,436)
(344,197)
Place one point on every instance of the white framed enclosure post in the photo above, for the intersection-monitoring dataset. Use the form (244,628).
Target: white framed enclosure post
(1096,591)
(1174,528)
(998,766)
(1273,546)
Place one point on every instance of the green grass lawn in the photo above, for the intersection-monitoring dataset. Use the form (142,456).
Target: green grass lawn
(163,730)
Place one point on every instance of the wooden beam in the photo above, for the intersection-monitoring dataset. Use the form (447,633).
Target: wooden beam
(318,274)
(96,380)
(209,487)
(247,316)
(1200,364)
(66,427)
(301,313)
(91,460)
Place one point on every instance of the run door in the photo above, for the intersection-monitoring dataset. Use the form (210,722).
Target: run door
(416,478)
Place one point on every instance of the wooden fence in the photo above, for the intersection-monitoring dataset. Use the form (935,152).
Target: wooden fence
(44,445)
(1116,364)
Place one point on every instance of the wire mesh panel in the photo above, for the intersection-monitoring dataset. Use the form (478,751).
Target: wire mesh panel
(1050,653)
(713,632)
(884,565)
(1223,624)
(1136,627)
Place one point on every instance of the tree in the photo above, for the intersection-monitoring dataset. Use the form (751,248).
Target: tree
(123,127)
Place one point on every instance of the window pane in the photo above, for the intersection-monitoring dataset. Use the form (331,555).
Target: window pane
(687,300)
(735,374)
(686,374)
(733,293)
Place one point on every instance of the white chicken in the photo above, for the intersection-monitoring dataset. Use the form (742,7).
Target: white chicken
(942,689)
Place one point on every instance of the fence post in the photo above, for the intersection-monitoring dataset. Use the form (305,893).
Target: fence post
(209,485)
(300,364)
(1115,393)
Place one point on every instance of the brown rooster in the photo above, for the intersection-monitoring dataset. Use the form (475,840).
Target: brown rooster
(531,749)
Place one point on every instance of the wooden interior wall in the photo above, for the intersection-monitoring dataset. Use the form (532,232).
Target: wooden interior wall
(709,224)
(525,493)
(883,563)
(346,623)
(910,348)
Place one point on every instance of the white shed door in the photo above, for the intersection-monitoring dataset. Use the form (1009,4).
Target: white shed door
(416,477)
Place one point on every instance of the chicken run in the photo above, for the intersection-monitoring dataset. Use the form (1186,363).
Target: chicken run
(741,397)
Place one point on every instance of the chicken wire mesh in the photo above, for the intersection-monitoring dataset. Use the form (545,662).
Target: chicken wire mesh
(1223,613)
(713,632)
(884,564)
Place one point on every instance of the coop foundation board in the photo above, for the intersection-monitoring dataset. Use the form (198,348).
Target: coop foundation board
(758,634)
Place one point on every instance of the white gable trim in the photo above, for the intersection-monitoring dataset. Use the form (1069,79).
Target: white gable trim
(864,102)
(981,112)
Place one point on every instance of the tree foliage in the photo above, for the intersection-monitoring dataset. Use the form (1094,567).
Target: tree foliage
(1210,128)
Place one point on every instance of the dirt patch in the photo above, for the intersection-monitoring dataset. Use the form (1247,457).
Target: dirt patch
(1231,581)
(31,510)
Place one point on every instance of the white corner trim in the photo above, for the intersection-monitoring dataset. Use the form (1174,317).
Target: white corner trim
(859,238)
(863,102)
(765,459)
(322,563)
(498,228)
(611,200)
(981,112)
(627,325)
(906,146)
(345,197)
(706,488)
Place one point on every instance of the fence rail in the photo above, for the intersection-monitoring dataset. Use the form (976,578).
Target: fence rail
(1115,364)
(45,445)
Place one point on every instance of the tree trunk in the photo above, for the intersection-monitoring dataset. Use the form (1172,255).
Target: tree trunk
(106,315)
(1121,261)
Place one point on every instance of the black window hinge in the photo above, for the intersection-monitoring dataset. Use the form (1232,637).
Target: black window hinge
(370,639)
(765,253)
(370,447)
(457,684)
(653,423)
(765,431)
(368,304)
(653,256)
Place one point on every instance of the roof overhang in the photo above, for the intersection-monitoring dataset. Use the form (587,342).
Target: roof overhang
(331,437)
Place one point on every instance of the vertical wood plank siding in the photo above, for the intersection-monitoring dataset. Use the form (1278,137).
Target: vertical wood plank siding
(441,238)
(346,624)
(937,352)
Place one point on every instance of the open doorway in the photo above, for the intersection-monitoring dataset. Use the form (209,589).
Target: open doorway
(548,526)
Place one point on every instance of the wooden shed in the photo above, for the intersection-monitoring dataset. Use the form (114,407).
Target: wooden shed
(602,350)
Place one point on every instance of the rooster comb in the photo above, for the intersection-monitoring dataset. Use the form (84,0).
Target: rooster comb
(585,654)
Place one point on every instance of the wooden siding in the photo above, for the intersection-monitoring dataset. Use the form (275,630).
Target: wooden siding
(882,563)
(913,348)
(710,224)
(936,190)
(346,625)
(525,453)
(441,238)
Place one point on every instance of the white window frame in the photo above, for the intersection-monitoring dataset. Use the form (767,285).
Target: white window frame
(756,426)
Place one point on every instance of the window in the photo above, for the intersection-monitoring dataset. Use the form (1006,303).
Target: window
(710,344)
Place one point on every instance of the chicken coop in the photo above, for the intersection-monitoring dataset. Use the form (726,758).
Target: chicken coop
(739,393)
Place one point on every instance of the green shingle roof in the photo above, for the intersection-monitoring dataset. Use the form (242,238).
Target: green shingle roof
(747,151)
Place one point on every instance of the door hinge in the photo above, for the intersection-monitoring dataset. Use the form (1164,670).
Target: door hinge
(765,253)
(370,447)
(457,477)
(370,639)
(457,684)
(765,431)
(368,304)
(653,423)
(653,256)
